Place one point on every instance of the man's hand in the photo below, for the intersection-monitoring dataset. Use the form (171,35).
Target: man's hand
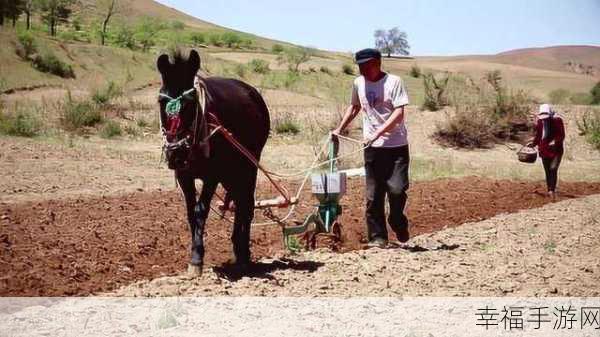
(368,141)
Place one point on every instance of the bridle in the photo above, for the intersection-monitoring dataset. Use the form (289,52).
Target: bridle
(174,122)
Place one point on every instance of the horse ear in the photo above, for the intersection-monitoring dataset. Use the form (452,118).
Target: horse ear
(163,63)
(194,61)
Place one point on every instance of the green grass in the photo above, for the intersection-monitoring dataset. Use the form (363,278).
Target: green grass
(111,129)
(25,122)
(79,114)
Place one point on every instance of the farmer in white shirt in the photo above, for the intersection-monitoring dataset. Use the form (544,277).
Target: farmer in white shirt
(382,98)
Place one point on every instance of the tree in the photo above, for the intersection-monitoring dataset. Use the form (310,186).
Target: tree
(294,57)
(146,31)
(596,94)
(108,9)
(12,9)
(29,8)
(391,41)
(55,12)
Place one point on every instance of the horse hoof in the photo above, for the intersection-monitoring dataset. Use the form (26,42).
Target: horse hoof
(194,270)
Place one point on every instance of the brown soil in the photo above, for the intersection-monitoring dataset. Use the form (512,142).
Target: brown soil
(83,246)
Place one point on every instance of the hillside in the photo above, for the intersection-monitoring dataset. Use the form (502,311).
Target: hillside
(577,59)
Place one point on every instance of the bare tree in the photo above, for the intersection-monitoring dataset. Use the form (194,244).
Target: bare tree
(108,9)
(391,41)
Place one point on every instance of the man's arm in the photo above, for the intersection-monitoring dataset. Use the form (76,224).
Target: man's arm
(395,118)
(349,116)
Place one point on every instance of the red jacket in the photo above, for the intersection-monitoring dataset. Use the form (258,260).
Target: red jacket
(558,136)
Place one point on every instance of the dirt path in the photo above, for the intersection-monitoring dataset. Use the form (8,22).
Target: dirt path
(86,245)
(549,251)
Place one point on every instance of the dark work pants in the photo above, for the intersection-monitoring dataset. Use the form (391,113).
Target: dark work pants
(551,168)
(387,173)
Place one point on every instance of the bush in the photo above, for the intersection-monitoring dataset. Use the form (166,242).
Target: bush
(124,37)
(132,130)
(277,80)
(47,62)
(103,96)
(415,71)
(435,92)
(142,123)
(485,114)
(198,38)
(559,96)
(26,45)
(231,40)
(589,126)
(581,98)
(285,125)
(259,66)
(277,48)
(78,114)
(215,39)
(325,70)
(177,25)
(111,129)
(466,129)
(348,69)
(24,123)
(595,92)
(240,70)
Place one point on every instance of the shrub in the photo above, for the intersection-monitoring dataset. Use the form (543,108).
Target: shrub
(277,80)
(198,38)
(415,71)
(277,48)
(589,126)
(559,96)
(142,123)
(485,114)
(259,66)
(24,123)
(111,129)
(595,92)
(581,98)
(215,39)
(77,114)
(240,70)
(47,62)
(325,70)
(132,130)
(466,129)
(435,92)
(177,25)
(348,69)
(103,96)
(124,37)
(285,125)
(231,40)
(26,45)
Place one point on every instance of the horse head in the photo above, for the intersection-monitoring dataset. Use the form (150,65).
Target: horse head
(178,101)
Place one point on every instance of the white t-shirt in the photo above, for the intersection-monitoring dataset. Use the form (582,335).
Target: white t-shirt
(378,101)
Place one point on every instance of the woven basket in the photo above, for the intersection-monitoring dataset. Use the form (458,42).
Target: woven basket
(527,154)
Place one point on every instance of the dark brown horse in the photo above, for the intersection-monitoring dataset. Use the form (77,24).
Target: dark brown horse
(241,110)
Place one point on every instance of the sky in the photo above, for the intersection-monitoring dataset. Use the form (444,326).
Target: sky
(434,27)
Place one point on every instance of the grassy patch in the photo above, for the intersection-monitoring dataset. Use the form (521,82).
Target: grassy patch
(79,114)
(111,129)
(48,62)
(104,95)
(25,122)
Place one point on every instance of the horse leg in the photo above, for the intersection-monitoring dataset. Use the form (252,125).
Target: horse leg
(243,197)
(197,212)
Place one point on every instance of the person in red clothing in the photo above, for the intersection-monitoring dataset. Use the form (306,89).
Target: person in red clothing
(549,138)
